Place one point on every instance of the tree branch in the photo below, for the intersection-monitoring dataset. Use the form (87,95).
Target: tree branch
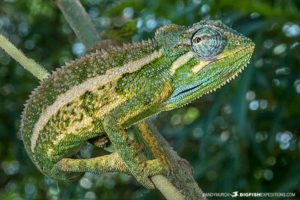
(80,21)
(29,64)
(182,176)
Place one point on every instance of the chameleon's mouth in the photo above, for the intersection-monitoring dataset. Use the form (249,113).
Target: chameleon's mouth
(188,90)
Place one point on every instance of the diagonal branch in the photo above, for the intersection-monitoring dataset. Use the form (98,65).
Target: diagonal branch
(182,177)
(80,21)
(29,64)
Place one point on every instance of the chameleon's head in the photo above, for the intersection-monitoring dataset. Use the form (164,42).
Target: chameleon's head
(206,56)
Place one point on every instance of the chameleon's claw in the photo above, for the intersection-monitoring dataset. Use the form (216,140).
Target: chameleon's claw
(151,168)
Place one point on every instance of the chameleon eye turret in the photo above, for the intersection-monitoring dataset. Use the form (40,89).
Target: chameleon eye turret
(207,43)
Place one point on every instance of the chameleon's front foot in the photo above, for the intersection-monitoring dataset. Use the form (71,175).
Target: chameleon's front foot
(130,152)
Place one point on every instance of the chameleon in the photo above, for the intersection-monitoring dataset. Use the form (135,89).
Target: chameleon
(113,88)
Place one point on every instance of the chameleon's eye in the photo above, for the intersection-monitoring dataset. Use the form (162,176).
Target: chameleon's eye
(197,40)
(207,43)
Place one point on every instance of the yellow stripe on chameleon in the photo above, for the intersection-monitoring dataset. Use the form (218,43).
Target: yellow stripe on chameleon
(181,61)
(201,65)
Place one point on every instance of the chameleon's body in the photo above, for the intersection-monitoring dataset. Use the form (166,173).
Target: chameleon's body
(109,90)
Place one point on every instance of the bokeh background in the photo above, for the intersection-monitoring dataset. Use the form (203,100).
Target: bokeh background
(244,137)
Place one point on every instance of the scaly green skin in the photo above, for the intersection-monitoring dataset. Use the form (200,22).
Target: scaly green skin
(109,90)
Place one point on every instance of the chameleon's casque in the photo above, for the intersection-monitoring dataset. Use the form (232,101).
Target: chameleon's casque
(113,88)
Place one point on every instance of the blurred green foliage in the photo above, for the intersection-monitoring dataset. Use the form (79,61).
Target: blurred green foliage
(244,137)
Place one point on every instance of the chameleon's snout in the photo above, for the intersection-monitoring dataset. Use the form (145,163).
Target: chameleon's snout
(247,43)
(251,45)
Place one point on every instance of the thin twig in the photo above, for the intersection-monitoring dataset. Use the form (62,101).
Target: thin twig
(80,21)
(29,64)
